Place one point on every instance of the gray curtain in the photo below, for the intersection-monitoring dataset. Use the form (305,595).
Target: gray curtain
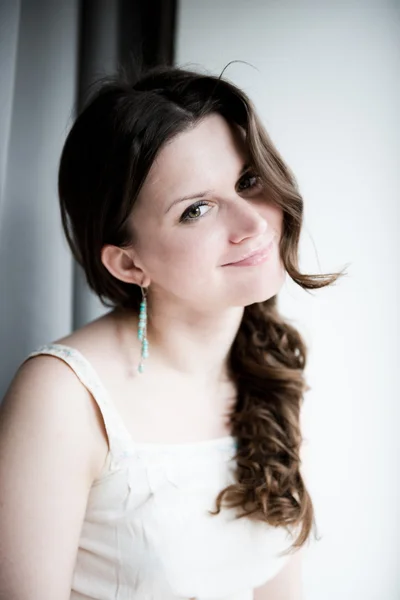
(50,50)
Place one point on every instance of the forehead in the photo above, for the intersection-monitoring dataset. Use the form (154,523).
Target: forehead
(200,156)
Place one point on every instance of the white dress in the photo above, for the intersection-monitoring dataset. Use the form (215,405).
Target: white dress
(147,534)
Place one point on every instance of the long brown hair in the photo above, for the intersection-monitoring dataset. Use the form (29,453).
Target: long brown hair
(105,160)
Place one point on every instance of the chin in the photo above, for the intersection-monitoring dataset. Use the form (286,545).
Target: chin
(250,294)
(259,298)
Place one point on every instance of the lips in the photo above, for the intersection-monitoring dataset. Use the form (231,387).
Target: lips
(258,252)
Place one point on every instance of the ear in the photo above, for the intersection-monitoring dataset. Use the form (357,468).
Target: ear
(120,263)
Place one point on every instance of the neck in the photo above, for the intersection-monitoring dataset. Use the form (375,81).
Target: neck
(191,344)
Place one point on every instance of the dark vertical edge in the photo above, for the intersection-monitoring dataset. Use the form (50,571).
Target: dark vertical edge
(82,51)
(130,38)
(168,31)
(147,33)
(80,57)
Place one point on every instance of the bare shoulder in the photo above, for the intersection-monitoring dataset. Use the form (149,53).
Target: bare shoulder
(89,337)
(103,342)
(46,394)
(287,584)
(47,465)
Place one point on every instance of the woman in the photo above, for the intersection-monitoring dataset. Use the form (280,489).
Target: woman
(155,452)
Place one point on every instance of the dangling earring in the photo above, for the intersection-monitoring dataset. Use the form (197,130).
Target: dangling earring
(142,332)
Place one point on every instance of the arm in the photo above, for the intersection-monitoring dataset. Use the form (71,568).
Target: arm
(47,462)
(286,585)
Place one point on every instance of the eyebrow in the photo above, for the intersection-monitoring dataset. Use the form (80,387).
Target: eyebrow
(202,194)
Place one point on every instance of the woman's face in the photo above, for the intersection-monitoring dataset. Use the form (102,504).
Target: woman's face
(184,247)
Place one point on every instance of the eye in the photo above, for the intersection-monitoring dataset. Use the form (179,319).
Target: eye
(252,178)
(193,213)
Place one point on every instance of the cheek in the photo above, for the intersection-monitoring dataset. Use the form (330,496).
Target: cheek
(274,217)
(184,256)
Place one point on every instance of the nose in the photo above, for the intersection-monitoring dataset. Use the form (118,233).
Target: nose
(246,221)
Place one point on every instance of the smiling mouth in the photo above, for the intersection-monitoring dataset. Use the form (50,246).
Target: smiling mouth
(256,257)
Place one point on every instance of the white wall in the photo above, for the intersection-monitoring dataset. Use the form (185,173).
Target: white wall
(327,85)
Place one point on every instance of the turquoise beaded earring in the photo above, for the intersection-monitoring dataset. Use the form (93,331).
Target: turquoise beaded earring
(142,332)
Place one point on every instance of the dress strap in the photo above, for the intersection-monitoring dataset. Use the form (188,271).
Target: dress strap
(119,439)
